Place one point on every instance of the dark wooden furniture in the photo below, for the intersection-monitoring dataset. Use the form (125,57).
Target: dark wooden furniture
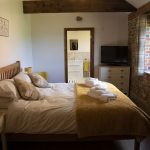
(59,6)
(12,70)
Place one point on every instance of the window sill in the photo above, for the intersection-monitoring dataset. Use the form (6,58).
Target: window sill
(147,72)
(147,75)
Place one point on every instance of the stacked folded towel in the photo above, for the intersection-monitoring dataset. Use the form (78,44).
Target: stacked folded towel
(90,82)
(100,92)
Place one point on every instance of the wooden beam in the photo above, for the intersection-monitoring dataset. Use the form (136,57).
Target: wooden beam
(62,6)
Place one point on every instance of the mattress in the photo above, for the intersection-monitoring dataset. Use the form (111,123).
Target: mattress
(67,109)
(55,114)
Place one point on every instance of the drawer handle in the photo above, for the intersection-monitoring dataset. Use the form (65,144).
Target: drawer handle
(121,77)
(122,70)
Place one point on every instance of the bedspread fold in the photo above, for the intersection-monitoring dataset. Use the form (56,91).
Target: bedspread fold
(119,117)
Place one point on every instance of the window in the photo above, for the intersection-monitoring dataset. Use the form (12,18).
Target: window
(144,45)
(147,45)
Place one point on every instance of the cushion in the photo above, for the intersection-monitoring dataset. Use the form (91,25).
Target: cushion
(38,80)
(27,90)
(23,76)
(8,91)
(44,75)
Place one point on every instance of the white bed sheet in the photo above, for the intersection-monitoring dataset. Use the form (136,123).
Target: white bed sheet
(55,114)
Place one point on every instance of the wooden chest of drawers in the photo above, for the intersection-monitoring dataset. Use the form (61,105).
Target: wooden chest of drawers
(117,75)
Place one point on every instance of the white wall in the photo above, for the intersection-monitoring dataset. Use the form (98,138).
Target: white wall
(18,45)
(48,37)
(83,38)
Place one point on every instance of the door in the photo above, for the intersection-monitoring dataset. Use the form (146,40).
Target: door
(79,54)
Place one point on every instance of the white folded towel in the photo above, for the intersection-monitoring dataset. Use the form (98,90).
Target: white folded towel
(101,86)
(94,82)
(110,96)
(99,92)
(90,78)
(106,97)
(91,82)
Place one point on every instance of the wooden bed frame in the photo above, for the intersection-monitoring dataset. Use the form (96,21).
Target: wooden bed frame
(13,69)
(10,71)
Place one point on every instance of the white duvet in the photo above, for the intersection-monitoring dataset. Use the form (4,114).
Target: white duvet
(55,114)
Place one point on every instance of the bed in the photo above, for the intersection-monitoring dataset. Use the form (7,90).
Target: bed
(67,113)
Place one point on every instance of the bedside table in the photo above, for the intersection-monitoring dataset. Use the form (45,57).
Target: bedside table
(2,130)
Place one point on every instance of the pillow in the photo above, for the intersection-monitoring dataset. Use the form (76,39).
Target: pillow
(27,90)
(38,80)
(8,90)
(23,76)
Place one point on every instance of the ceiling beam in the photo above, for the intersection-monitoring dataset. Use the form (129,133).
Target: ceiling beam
(64,6)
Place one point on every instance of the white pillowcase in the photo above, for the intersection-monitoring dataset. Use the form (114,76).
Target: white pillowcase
(38,80)
(8,91)
(23,76)
(27,90)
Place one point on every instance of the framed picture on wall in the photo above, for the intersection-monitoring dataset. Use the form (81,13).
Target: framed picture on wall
(4,27)
(73,44)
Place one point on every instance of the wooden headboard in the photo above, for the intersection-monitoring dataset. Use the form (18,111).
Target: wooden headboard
(10,71)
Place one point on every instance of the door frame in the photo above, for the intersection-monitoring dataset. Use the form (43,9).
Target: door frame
(91,49)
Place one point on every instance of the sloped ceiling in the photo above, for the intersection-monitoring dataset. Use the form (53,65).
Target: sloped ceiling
(138,3)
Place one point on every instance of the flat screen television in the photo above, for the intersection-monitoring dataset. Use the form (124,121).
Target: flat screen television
(114,55)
